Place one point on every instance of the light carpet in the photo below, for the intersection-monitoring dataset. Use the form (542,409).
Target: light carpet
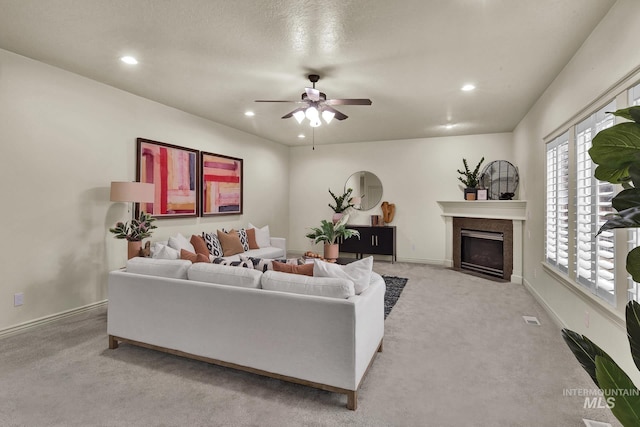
(456,353)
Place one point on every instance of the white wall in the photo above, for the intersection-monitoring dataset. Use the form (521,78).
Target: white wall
(414,173)
(606,56)
(64,138)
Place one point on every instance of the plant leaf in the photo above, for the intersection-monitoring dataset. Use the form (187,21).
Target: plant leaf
(626,199)
(633,265)
(628,218)
(613,175)
(617,147)
(585,351)
(632,314)
(631,113)
(615,383)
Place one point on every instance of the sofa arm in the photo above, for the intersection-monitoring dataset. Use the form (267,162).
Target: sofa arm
(279,242)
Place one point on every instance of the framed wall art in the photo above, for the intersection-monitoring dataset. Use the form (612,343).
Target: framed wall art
(221,184)
(174,171)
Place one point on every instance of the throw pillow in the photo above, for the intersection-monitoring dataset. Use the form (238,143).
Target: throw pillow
(359,272)
(213,244)
(305,270)
(242,234)
(190,256)
(165,252)
(199,245)
(241,263)
(263,238)
(230,242)
(180,242)
(251,237)
(264,264)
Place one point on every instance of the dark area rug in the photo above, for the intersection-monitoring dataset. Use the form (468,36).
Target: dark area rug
(395,285)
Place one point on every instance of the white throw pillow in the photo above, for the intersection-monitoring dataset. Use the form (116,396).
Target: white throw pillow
(359,272)
(156,246)
(180,242)
(173,268)
(225,275)
(165,252)
(331,287)
(263,238)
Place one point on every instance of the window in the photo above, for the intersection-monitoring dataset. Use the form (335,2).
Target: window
(557,224)
(594,256)
(634,235)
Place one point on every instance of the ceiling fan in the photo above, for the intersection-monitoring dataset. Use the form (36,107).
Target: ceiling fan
(317,105)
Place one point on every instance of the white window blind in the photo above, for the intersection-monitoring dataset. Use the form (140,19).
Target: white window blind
(595,262)
(634,236)
(557,223)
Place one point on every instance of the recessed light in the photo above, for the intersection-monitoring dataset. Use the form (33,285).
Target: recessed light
(129,60)
(249,113)
(468,87)
(301,136)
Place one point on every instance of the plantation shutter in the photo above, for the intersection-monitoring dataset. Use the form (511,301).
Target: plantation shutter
(633,234)
(557,222)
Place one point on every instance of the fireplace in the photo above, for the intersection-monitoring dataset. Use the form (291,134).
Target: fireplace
(482,251)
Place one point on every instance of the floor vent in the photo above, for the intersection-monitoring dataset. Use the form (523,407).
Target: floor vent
(531,320)
(591,423)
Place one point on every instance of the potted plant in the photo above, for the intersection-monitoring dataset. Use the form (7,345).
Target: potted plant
(328,233)
(342,203)
(616,151)
(138,229)
(470,180)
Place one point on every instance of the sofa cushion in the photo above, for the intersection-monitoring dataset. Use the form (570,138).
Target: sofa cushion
(225,275)
(332,287)
(264,264)
(165,252)
(232,262)
(251,237)
(230,242)
(266,252)
(263,238)
(180,242)
(358,271)
(304,269)
(172,268)
(213,244)
(190,256)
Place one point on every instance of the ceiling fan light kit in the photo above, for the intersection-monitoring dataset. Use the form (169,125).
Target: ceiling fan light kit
(317,105)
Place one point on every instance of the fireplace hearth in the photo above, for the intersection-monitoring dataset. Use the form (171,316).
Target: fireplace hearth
(482,251)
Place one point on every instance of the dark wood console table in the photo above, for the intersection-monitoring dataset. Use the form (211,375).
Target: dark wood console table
(373,241)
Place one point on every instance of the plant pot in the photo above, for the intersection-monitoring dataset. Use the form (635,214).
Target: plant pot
(337,217)
(470,193)
(133,249)
(331,251)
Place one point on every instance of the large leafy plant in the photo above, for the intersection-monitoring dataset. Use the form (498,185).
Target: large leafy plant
(471,178)
(328,232)
(139,228)
(616,151)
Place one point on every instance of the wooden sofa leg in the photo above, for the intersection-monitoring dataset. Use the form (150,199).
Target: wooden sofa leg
(113,342)
(352,400)
(380,347)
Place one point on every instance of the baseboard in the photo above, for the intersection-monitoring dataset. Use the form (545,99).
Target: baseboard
(554,316)
(48,319)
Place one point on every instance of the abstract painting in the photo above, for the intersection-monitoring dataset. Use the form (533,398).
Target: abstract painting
(221,184)
(174,171)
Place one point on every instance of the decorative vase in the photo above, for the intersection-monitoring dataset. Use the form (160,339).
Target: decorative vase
(331,251)
(470,193)
(133,248)
(337,217)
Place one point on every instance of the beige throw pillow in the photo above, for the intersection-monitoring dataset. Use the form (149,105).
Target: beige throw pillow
(230,242)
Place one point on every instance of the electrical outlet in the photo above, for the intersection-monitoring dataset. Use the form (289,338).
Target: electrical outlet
(18,299)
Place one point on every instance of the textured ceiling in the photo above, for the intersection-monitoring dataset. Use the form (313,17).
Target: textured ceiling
(213,58)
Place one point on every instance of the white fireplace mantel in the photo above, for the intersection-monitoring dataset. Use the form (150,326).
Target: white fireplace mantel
(514,210)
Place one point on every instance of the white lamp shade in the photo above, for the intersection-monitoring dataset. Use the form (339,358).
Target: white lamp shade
(328,116)
(299,116)
(312,113)
(132,192)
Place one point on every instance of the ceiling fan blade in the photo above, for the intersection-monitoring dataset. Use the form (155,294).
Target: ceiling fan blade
(312,93)
(271,100)
(361,101)
(338,114)
(289,115)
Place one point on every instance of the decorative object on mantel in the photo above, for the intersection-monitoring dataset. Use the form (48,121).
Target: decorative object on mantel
(470,179)
(328,233)
(388,212)
(342,203)
(501,180)
(134,231)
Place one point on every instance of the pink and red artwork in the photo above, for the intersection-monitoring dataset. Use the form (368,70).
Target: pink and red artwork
(173,170)
(221,184)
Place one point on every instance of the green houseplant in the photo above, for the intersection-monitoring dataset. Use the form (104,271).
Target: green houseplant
(470,179)
(341,203)
(616,151)
(328,233)
(134,231)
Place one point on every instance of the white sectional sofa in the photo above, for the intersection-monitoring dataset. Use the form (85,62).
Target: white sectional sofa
(313,331)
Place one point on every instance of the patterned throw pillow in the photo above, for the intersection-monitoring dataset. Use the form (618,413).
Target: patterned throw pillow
(213,244)
(241,263)
(242,234)
(264,264)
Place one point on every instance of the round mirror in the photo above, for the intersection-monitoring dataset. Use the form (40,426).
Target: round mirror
(367,190)
(500,178)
